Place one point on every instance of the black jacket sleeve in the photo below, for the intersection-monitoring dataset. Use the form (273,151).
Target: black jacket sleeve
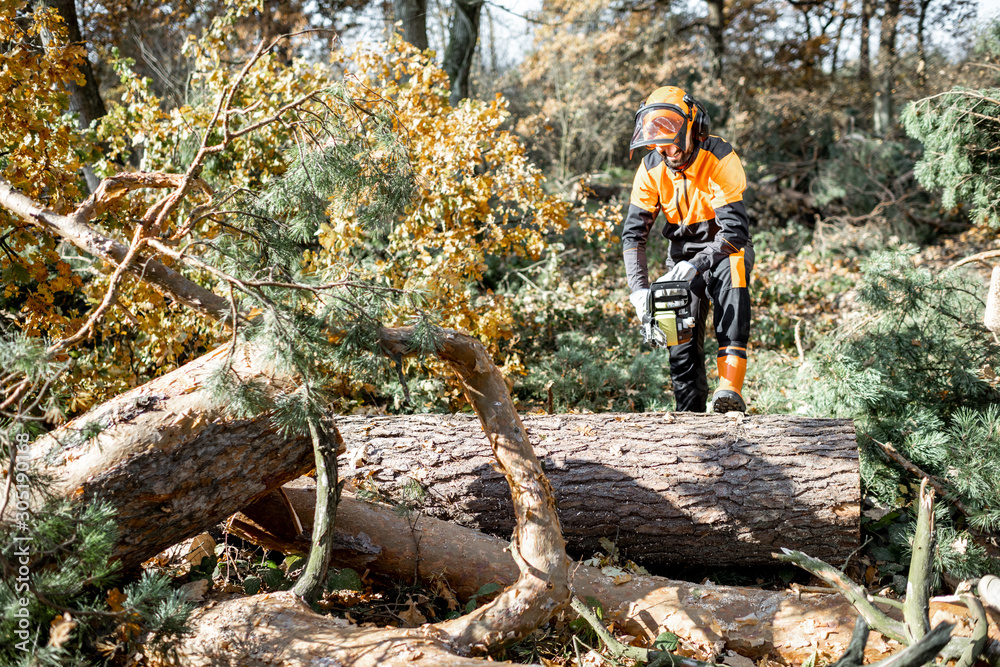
(642,211)
(638,222)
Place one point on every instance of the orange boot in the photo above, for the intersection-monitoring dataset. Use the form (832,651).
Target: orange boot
(732,364)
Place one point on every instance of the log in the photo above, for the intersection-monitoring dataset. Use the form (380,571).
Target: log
(280,630)
(786,625)
(665,488)
(162,450)
(169,458)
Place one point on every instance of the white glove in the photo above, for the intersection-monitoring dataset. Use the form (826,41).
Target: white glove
(638,299)
(683,271)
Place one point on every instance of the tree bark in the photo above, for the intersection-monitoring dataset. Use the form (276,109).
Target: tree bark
(922,7)
(413,15)
(716,37)
(280,630)
(885,114)
(864,58)
(462,47)
(786,625)
(169,459)
(686,489)
(172,463)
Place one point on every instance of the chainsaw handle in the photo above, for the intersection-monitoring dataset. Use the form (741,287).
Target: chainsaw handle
(680,298)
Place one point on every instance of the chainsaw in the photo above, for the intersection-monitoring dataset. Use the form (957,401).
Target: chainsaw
(668,320)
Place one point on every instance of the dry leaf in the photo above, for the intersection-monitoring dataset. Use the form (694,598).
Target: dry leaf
(877,642)
(106,648)
(358,457)
(617,575)
(410,616)
(62,628)
(201,546)
(195,590)
(735,660)
(442,590)
(115,599)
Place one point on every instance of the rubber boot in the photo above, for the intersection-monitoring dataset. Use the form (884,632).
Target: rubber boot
(732,365)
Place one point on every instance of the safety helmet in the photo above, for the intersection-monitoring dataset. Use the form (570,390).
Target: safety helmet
(669,116)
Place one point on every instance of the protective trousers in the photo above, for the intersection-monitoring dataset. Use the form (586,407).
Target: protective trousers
(726,286)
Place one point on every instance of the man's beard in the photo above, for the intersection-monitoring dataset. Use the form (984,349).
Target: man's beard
(676,162)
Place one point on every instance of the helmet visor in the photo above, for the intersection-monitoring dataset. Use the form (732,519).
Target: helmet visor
(658,124)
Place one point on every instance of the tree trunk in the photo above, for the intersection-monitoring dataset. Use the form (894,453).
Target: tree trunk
(280,630)
(837,41)
(884,110)
(716,37)
(701,489)
(921,47)
(84,98)
(172,463)
(686,489)
(864,58)
(787,625)
(462,47)
(413,15)
(169,458)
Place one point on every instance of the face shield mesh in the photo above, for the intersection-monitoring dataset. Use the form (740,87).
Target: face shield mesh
(658,124)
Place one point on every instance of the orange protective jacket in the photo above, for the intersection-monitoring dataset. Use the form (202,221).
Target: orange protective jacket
(702,203)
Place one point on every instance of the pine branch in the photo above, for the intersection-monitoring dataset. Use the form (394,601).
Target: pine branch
(855,594)
(918,584)
(327,444)
(935,483)
(652,657)
(978,257)
(980,633)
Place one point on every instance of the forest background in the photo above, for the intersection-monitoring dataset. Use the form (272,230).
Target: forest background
(868,132)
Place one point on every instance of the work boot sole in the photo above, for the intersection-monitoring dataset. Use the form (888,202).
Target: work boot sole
(728,401)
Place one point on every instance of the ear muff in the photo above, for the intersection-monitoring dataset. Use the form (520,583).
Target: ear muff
(701,122)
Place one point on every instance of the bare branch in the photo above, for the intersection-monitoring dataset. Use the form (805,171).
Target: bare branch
(978,257)
(938,486)
(75,230)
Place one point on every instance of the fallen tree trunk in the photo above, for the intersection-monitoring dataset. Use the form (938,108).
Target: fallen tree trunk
(148,477)
(786,625)
(693,488)
(169,457)
(675,488)
(159,453)
(280,630)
